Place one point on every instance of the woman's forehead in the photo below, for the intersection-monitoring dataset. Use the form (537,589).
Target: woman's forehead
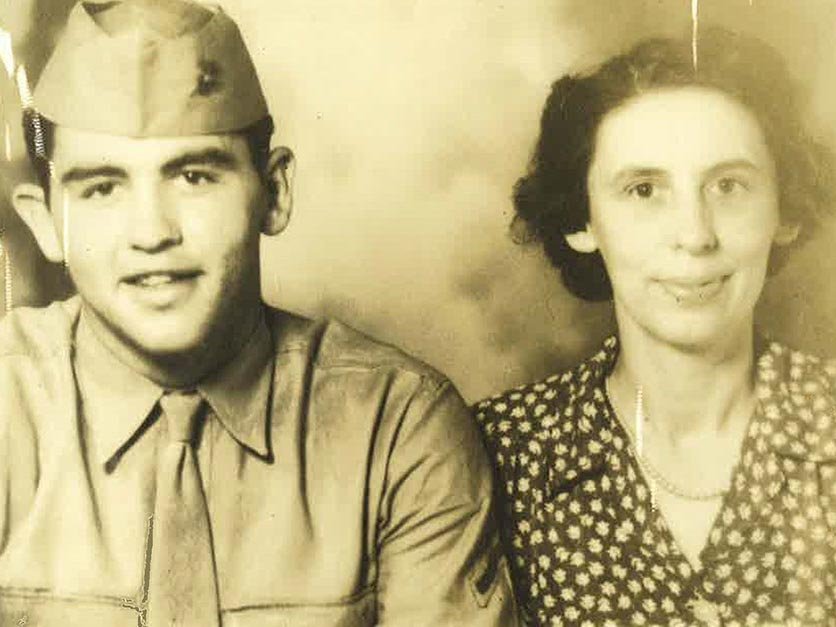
(682,127)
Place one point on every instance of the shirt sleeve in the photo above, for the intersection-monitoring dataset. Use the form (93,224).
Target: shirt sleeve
(440,558)
(18,463)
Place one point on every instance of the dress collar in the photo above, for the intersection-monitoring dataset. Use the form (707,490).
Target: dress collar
(795,415)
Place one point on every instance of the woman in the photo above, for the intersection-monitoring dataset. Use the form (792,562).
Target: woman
(685,473)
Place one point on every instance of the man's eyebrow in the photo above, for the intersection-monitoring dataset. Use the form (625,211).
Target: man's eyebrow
(214,157)
(82,173)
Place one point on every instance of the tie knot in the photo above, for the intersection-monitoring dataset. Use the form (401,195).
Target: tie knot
(182,411)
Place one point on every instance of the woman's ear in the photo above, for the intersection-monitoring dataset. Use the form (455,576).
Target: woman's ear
(786,234)
(29,201)
(582,241)
(281,167)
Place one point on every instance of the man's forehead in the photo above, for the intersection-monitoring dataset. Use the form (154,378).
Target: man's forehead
(73,146)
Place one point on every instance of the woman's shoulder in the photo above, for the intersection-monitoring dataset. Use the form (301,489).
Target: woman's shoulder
(544,408)
(797,392)
(784,365)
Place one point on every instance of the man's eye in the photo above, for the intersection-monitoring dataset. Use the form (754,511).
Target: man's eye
(644,189)
(193,177)
(99,190)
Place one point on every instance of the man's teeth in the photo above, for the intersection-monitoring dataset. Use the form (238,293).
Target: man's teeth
(154,280)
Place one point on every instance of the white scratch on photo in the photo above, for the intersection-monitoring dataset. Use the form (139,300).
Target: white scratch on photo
(65,240)
(695,20)
(7,141)
(6,52)
(7,274)
(23,87)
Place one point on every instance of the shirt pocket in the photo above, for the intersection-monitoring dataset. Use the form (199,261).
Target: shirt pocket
(359,611)
(39,608)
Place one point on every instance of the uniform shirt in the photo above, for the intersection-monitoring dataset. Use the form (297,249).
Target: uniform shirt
(587,546)
(346,483)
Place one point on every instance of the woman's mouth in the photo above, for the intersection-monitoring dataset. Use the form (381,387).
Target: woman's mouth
(697,291)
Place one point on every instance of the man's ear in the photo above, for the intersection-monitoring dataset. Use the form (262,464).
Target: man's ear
(280,169)
(30,203)
(582,241)
(786,234)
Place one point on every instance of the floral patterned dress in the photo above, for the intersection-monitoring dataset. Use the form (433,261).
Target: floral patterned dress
(586,546)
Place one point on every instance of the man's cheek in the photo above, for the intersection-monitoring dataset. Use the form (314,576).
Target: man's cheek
(95,254)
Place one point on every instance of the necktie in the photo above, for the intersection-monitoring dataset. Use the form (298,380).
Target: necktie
(182,588)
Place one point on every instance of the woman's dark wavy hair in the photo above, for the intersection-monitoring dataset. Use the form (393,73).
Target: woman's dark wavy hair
(551,200)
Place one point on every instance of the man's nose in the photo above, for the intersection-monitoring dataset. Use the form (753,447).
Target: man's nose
(154,225)
(694,223)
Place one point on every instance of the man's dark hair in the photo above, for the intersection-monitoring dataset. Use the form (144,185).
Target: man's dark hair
(552,200)
(39,133)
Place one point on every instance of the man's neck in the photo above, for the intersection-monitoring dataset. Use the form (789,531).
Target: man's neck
(180,370)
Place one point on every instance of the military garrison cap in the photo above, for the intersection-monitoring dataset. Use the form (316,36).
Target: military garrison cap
(150,68)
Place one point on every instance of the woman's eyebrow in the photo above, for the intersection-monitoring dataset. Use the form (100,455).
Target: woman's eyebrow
(732,164)
(213,157)
(633,172)
(83,173)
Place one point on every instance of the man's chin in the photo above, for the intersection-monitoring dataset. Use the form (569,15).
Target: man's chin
(169,343)
(163,337)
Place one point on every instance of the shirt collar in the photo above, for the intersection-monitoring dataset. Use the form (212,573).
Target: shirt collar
(239,393)
(117,402)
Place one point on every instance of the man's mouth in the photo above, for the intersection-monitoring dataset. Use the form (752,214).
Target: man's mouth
(160,278)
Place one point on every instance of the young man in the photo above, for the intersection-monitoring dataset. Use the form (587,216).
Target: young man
(172,452)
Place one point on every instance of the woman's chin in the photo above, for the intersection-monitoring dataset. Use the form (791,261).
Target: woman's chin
(698,333)
(707,324)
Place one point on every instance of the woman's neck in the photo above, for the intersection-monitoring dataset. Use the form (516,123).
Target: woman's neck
(686,392)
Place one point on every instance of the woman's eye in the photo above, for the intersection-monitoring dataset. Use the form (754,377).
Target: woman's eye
(642,190)
(728,185)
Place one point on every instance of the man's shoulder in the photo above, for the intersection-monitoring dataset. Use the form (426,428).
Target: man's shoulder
(333,345)
(38,332)
(36,389)
(363,392)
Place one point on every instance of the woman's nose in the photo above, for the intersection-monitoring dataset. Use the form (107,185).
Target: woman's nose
(694,228)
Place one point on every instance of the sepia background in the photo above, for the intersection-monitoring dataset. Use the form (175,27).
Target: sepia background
(410,121)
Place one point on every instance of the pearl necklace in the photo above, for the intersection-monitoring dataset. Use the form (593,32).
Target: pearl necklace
(651,472)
